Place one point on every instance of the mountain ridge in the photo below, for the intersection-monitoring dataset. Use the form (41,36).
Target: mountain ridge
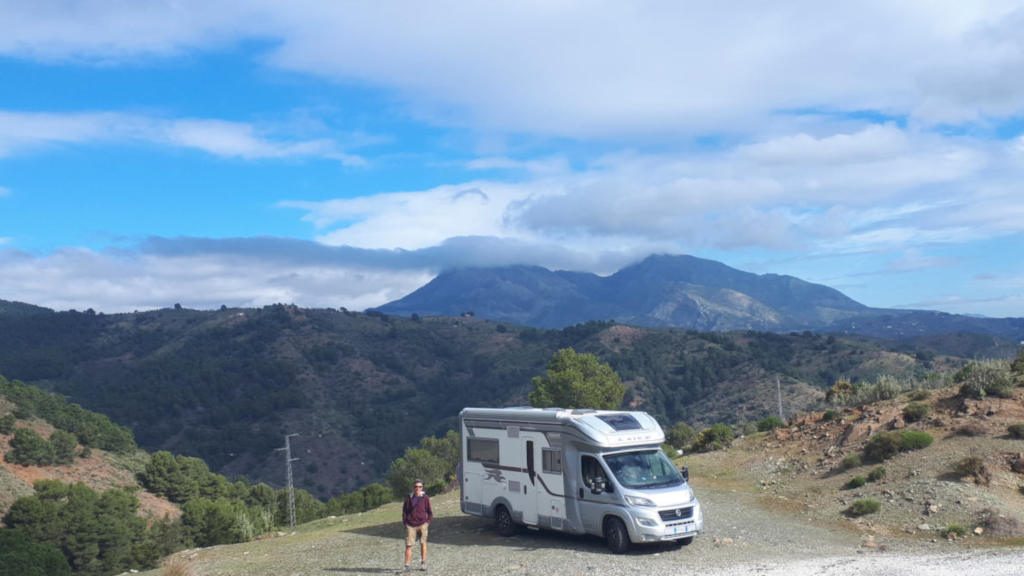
(678,291)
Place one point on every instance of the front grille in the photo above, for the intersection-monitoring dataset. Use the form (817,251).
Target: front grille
(676,514)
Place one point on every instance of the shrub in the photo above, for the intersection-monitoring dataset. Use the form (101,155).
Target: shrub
(24,557)
(769,423)
(856,482)
(7,424)
(882,446)
(29,448)
(915,411)
(876,474)
(971,429)
(980,379)
(716,437)
(863,507)
(920,395)
(851,461)
(954,531)
(830,415)
(1000,525)
(1016,431)
(680,435)
(914,440)
(974,467)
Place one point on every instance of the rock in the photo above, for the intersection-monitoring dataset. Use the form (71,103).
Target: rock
(979,531)
(869,542)
(924,527)
(727,541)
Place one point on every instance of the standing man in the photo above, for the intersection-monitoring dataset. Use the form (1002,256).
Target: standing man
(416,515)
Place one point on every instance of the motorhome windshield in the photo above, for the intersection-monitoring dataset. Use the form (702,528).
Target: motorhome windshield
(643,469)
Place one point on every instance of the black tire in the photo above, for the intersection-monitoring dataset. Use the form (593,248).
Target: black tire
(503,521)
(685,541)
(616,536)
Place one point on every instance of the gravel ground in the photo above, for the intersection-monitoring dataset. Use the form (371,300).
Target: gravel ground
(741,538)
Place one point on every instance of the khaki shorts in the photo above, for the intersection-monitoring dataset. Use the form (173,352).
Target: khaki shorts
(411,531)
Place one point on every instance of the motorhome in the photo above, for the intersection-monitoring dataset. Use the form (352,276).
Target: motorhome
(599,472)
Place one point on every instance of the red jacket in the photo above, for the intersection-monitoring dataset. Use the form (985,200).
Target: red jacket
(416,510)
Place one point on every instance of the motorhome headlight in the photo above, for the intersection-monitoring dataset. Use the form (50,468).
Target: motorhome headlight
(648,522)
(638,501)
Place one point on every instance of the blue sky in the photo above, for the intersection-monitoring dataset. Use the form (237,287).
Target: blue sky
(341,154)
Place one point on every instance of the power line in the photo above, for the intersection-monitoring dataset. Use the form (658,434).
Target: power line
(291,485)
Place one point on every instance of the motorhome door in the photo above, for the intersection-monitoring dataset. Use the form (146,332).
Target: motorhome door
(596,493)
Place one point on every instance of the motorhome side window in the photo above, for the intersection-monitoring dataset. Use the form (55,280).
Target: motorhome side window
(483,450)
(552,461)
(593,474)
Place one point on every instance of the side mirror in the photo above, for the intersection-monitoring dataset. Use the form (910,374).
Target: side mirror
(598,486)
(685,472)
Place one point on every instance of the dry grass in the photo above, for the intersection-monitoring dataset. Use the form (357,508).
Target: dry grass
(176,566)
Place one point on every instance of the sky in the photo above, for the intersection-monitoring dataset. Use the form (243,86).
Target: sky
(331,153)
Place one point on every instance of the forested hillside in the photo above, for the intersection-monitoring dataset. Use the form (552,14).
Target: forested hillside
(227,385)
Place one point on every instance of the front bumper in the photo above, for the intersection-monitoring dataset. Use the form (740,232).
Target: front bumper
(652,525)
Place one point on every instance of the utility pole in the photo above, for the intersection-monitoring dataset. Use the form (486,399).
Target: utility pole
(291,485)
(778,388)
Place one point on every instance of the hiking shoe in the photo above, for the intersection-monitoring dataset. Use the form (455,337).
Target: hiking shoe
(406,568)
(423,566)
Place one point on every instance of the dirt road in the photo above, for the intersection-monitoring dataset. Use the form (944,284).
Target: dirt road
(742,537)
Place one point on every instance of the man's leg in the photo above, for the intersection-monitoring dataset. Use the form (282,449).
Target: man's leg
(410,539)
(424,530)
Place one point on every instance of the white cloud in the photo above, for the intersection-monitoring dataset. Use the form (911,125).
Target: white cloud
(4,192)
(25,131)
(586,69)
(205,273)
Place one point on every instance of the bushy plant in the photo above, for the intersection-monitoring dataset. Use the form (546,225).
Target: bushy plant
(970,429)
(986,378)
(680,435)
(863,507)
(974,467)
(28,448)
(1016,431)
(884,388)
(851,461)
(876,474)
(22,556)
(769,423)
(717,437)
(915,411)
(954,531)
(856,482)
(914,440)
(920,395)
(7,424)
(882,446)
(830,415)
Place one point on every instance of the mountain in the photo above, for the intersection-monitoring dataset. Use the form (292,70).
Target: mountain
(227,385)
(676,291)
(9,308)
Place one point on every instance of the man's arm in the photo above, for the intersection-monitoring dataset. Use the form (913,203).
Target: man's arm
(430,511)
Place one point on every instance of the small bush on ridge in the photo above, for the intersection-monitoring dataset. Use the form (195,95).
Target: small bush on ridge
(1016,431)
(915,411)
(914,440)
(851,461)
(856,482)
(863,507)
(876,474)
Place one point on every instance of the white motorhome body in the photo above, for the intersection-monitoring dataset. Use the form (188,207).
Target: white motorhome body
(579,471)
